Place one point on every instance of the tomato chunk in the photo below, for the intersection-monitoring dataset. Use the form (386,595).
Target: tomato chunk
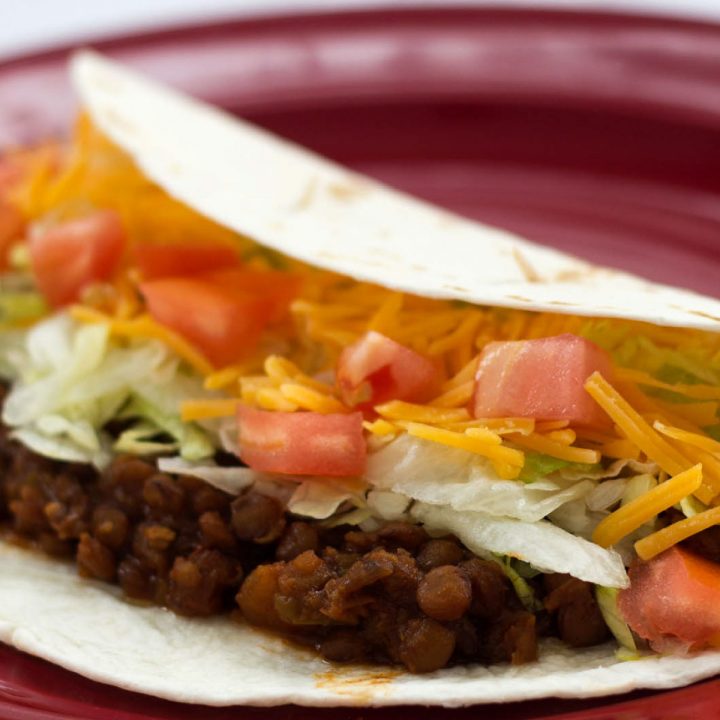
(377,369)
(277,287)
(542,379)
(182,259)
(224,324)
(674,601)
(302,443)
(12,225)
(70,256)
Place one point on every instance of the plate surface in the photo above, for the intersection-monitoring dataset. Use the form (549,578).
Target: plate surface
(596,133)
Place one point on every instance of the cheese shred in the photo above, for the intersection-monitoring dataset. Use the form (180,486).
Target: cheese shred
(637,512)
(475,440)
(661,540)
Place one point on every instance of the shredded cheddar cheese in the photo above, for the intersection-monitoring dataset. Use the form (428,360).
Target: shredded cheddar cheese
(548,446)
(661,540)
(307,398)
(145,327)
(398,410)
(381,427)
(192,410)
(689,438)
(700,392)
(643,509)
(634,426)
(458,396)
(475,440)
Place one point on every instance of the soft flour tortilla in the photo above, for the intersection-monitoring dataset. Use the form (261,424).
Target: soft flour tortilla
(309,208)
(313,210)
(47,610)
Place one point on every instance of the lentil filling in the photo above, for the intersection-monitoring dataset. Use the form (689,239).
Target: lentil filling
(392,596)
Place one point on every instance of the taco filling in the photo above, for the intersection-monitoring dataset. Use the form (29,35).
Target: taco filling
(219,428)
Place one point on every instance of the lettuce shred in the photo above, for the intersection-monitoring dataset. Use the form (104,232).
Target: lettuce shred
(71,380)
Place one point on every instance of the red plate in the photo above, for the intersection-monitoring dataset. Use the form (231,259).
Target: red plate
(596,133)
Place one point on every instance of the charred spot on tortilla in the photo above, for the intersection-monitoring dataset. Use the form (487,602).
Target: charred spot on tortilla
(348,190)
(526,267)
(308,195)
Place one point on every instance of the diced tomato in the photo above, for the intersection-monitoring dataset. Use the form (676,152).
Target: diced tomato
(12,225)
(542,379)
(302,443)
(377,369)
(277,287)
(182,259)
(11,173)
(70,256)
(223,323)
(674,601)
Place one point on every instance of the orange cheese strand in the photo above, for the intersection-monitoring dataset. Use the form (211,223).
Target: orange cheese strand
(307,398)
(191,410)
(145,327)
(380,427)
(458,396)
(223,378)
(282,370)
(661,540)
(700,449)
(634,427)
(399,410)
(698,413)
(620,449)
(547,446)
(546,426)
(465,375)
(500,426)
(703,442)
(639,511)
(699,392)
(509,459)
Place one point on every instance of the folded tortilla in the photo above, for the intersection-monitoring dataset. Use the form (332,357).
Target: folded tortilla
(310,209)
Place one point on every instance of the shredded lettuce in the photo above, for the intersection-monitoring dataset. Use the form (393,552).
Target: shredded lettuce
(320,499)
(231,480)
(192,442)
(21,307)
(690,364)
(11,345)
(638,486)
(541,544)
(440,475)
(537,466)
(690,506)
(388,505)
(607,602)
(522,588)
(71,380)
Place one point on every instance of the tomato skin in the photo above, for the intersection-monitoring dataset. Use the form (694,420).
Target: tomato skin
(302,443)
(158,261)
(674,601)
(542,379)
(10,175)
(276,287)
(77,253)
(12,226)
(225,325)
(376,368)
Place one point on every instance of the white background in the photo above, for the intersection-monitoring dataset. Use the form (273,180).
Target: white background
(32,24)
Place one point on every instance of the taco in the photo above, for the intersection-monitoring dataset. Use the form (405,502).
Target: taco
(287,403)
